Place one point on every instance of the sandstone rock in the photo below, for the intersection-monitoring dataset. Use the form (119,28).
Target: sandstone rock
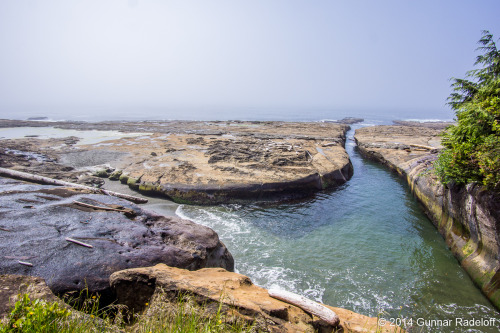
(210,162)
(36,219)
(468,217)
(136,288)
(272,164)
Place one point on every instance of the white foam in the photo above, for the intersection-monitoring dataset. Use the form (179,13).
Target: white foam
(250,250)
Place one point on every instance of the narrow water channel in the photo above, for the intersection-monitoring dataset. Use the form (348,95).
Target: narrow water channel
(366,246)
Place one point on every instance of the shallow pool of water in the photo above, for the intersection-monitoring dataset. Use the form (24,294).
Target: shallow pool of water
(87,137)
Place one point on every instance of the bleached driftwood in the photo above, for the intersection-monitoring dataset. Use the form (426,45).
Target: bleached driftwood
(78,242)
(25,263)
(422,146)
(307,305)
(51,181)
(100,207)
(329,144)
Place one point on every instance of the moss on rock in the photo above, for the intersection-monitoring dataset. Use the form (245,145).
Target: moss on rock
(115,175)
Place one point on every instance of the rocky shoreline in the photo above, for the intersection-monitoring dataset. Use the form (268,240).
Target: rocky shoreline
(145,290)
(194,162)
(76,240)
(467,217)
(121,253)
(210,163)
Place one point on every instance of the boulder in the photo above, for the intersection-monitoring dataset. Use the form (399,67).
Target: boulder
(136,288)
(36,220)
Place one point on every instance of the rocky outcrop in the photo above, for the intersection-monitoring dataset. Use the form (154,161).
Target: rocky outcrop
(202,162)
(346,120)
(40,157)
(468,217)
(153,291)
(137,288)
(36,220)
(13,285)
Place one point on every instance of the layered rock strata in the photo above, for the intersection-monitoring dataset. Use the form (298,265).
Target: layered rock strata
(153,292)
(240,297)
(36,222)
(468,217)
(207,162)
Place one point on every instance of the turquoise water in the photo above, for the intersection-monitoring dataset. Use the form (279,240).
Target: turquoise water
(365,246)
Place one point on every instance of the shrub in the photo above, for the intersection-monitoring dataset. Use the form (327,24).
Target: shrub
(472,146)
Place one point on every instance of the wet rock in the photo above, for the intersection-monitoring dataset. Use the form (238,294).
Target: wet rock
(240,297)
(103,173)
(35,221)
(115,175)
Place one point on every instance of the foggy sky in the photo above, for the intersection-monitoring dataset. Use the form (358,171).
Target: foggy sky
(259,53)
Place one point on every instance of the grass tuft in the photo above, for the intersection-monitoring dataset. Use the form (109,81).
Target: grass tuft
(182,315)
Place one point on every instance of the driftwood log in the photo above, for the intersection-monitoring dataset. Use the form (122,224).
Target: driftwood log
(25,263)
(78,242)
(128,212)
(307,305)
(51,181)
(423,147)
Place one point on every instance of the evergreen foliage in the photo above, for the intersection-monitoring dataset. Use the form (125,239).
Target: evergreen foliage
(472,146)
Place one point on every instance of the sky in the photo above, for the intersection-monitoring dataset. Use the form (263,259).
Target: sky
(94,55)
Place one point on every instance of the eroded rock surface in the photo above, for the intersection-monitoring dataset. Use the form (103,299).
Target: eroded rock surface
(41,157)
(204,162)
(468,217)
(137,287)
(35,221)
(159,286)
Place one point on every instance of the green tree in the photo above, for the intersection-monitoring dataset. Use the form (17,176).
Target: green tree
(472,146)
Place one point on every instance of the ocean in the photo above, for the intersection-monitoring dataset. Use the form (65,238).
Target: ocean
(226,113)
